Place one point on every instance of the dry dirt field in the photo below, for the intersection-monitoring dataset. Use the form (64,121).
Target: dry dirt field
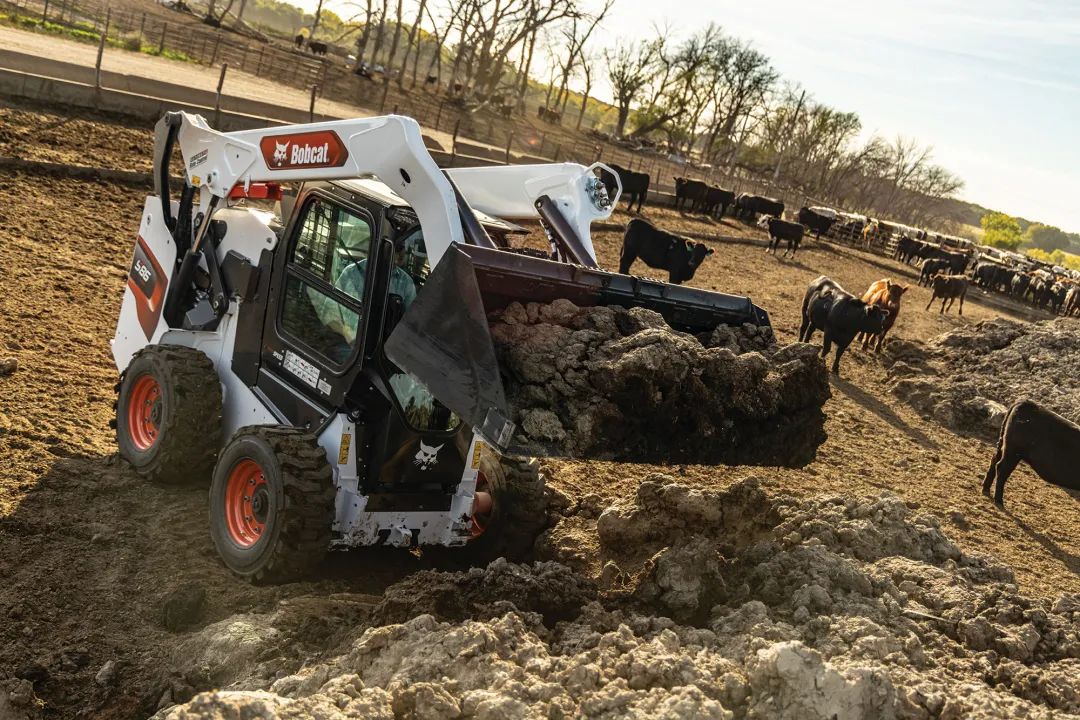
(89,553)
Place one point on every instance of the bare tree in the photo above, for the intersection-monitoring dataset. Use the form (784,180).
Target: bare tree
(630,67)
(413,33)
(587,71)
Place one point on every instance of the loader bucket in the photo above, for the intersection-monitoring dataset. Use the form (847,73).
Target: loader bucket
(445,340)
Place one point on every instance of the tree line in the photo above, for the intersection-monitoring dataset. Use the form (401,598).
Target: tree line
(709,97)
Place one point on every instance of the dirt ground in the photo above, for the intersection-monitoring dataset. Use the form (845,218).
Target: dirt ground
(89,554)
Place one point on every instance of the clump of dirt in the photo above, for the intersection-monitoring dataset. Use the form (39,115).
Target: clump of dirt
(966,379)
(725,604)
(611,383)
(550,589)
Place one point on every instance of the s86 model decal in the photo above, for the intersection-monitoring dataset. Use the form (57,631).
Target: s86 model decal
(296,151)
(147,282)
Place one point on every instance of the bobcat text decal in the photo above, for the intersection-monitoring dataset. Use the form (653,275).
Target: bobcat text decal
(319,149)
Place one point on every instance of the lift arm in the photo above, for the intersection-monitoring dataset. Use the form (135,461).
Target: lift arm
(390,148)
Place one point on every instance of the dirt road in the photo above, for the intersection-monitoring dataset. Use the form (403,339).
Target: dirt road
(89,554)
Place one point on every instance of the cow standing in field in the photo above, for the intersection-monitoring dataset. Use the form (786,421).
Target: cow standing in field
(930,268)
(750,206)
(840,315)
(781,230)
(948,288)
(884,294)
(1047,442)
(817,220)
(635,185)
(689,194)
(661,250)
(717,197)
(299,41)
(870,233)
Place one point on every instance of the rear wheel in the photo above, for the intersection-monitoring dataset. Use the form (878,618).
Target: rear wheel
(509,524)
(168,414)
(272,503)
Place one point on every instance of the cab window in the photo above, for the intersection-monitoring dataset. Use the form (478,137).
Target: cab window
(324,280)
(411,267)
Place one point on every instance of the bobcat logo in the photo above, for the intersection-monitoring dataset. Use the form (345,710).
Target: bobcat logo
(427,456)
(280,153)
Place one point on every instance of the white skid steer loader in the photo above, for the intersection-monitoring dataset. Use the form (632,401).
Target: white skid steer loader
(332,371)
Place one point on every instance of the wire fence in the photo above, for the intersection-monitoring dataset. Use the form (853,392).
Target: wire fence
(182,39)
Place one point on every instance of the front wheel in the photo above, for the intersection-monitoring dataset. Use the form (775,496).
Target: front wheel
(272,503)
(509,525)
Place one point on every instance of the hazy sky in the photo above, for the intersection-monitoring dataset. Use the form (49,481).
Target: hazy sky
(992,85)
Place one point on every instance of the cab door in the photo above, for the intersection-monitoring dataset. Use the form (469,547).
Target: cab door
(318,309)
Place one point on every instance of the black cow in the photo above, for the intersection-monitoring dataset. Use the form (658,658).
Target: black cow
(299,41)
(1058,293)
(958,261)
(840,315)
(317,47)
(750,206)
(905,249)
(662,250)
(431,80)
(948,288)
(816,222)
(635,185)
(1047,442)
(717,197)
(930,268)
(782,230)
(1021,282)
(992,276)
(689,194)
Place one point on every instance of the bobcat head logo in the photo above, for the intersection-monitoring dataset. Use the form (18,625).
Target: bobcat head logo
(280,152)
(427,456)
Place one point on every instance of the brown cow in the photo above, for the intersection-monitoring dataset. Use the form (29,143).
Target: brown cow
(886,294)
(948,288)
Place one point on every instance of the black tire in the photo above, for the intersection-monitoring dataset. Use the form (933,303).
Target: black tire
(292,504)
(178,442)
(519,509)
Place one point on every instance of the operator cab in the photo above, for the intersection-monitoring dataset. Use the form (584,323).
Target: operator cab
(351,261)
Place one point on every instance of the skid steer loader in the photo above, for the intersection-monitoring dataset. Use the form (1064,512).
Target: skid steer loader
(331,371)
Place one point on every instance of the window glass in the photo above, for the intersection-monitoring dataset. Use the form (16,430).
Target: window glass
(323,312)
(422,411)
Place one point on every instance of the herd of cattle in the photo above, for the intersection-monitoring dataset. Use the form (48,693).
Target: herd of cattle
(1030,433)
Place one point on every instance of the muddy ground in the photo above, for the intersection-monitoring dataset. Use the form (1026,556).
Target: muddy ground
(89,555)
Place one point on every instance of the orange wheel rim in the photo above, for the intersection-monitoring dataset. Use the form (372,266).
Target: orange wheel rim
(247,503)
(480,520)
(144,410)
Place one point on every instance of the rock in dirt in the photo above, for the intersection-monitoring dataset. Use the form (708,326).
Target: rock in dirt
(184,607)
(106,676)
(966,379)
(612,383)
(730,604)
(8,366)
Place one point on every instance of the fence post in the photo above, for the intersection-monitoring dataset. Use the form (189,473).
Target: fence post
(258,67)
(385,92)
(142,27)
(509,141)
(453,142)
(438,116)
(217,97)
(311,108)
(164,32)
(558,147)
(100,53)
(217,42)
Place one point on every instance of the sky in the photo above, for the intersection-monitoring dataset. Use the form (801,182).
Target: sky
(992,85)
